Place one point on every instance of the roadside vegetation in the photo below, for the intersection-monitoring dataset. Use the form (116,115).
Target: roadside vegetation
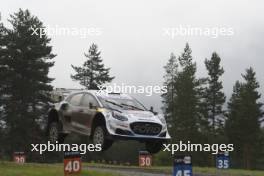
(11,169)
(197,170)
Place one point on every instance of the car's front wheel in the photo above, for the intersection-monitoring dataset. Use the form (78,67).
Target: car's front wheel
(153,146)
(99,137)
(54,133)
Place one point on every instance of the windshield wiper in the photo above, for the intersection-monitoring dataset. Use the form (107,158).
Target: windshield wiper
(134,107)
(113,103)
(123,104)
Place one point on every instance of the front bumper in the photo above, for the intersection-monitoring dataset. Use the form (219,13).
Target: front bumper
(138,138)
(122,130)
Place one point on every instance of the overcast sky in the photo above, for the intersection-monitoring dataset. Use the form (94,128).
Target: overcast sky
(133,42)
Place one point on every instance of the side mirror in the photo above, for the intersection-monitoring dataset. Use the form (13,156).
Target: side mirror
(60,98)
(152,110)
(64,106)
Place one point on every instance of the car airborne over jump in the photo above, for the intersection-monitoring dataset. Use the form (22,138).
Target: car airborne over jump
(106,117)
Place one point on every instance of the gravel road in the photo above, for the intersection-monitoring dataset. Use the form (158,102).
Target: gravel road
(131,172)
(125,171)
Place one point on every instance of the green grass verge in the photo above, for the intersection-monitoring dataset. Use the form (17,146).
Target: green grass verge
(203,170)
(11,169)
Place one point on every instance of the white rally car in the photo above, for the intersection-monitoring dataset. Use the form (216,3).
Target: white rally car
(106,117)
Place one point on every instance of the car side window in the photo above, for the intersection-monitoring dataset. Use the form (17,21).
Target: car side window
(76,99)
(89,99)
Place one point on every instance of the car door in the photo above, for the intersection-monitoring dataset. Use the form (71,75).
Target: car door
(75,111)
(89,111)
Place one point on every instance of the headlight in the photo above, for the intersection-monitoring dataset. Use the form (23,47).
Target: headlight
(162,119)
(119,116)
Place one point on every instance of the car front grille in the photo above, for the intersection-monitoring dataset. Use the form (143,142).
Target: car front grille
(123,132)
(146,128)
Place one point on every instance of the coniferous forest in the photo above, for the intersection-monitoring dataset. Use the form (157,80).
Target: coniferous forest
(196,108)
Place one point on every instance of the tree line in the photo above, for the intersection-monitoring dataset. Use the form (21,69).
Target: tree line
(25,87)
(194,107)
(25,60)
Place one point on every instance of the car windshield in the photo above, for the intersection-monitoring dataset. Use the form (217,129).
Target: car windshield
(121,103)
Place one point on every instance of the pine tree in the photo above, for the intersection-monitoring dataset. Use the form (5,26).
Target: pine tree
(243,120)
(2,35)
(25,61)
(214,96)
(186,101)
(93,72)
(171,69)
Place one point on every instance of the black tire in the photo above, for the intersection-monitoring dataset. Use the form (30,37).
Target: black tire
(99,136)
(153,146)
(54,133)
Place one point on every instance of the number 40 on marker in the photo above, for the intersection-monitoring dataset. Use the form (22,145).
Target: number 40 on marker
(72,163)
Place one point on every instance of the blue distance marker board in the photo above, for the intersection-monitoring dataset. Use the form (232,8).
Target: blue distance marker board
(182,166)
(222,161)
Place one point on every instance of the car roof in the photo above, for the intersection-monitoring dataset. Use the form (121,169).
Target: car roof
(103,94)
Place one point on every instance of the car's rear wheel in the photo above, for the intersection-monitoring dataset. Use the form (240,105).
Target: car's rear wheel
(153,146)
(54,133)
(99,137)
